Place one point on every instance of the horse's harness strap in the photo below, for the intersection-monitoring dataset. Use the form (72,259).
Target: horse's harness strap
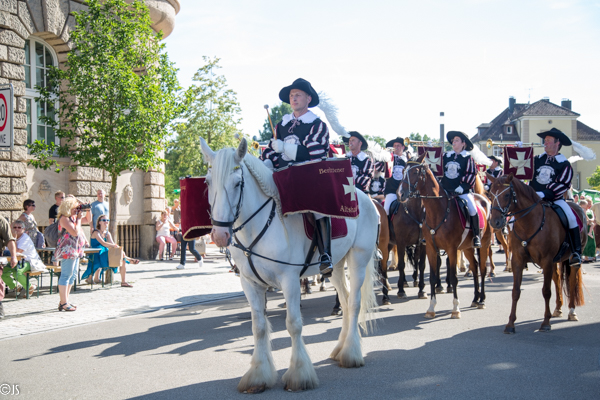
(525,243)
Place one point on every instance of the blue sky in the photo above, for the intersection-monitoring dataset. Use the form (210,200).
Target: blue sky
(392,66)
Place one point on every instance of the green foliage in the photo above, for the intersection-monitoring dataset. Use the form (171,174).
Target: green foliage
(122,92)
(594,179)
(376,139)
(117,94)
(213,115)
(277,114)
(416,137)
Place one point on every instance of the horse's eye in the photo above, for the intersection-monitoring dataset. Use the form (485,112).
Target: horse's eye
(237,185)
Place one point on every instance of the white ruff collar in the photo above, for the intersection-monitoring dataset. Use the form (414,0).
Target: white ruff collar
(307,118)
(463,153)
(361,156)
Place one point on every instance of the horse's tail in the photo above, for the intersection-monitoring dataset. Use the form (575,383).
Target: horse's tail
(368,300)
(410,254)
(573,290)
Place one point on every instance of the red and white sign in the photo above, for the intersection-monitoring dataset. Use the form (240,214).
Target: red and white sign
(6,118)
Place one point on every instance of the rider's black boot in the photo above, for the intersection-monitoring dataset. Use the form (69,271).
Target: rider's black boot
(324,229)
(575,240)
(475,228)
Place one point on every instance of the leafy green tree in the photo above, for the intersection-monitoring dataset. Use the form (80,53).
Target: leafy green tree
(117,95)
(594,179)
(213,114)
(277,114)
(376,139)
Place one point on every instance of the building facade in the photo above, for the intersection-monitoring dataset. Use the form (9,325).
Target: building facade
(522,122)
(34,35)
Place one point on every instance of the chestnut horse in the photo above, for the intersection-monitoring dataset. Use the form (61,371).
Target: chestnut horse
(530,243)
(384,247)
(443,231)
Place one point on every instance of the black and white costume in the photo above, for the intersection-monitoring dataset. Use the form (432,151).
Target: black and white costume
(459,176)
(362,170)
(305,138)
(377,186)
(496,172)
(551,179)
(393,183)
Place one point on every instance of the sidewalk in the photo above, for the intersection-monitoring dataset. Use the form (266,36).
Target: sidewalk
(157,285)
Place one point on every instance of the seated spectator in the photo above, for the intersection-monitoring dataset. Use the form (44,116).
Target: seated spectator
(102,239)
(31,261)
(163,234)
(30,224)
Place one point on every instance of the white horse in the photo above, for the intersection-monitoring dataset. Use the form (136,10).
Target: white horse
(238,185)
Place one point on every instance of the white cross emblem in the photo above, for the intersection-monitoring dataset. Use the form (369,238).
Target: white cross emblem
(432,160)
(350,188)
(519,162)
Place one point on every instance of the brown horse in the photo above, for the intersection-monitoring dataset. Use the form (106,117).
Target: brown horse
(443,231)
(384,247)
(530,243)
(408,222)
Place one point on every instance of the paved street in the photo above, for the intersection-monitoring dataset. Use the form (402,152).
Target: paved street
(189,347)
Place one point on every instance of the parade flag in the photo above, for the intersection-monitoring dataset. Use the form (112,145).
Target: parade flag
(195,208)
(321,186)
(519,162)
(337,150)
(433,159)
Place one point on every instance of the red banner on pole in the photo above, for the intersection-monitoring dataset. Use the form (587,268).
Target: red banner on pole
(519,162)
(433,159)
(325,187)
(195,209)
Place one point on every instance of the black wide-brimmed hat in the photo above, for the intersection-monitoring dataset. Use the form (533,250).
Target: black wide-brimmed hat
(360,137)
(301,84)
(397,140)
(452,134)
(564,139)
(494,158)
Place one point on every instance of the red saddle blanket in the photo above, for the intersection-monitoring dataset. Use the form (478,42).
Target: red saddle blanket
(320,186)
(339,228)
(195,209)
(463,220)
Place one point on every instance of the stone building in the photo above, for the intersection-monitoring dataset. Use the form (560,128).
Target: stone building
(34,34)
(523,121)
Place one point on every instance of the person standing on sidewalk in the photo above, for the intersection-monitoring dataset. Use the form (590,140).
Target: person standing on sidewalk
(192,246)
(99,207)
(6,241)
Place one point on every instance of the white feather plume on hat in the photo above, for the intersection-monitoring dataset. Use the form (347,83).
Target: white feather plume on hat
(585,152)
(479,157)
(377,152)
(330,111)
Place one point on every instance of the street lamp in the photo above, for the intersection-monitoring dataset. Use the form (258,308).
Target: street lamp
(442,129)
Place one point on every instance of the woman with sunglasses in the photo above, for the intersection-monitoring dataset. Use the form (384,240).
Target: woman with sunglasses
(102,239)
(28,219)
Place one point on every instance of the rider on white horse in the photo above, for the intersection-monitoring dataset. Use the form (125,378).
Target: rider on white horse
(302,136)
(552,175)
(459,176)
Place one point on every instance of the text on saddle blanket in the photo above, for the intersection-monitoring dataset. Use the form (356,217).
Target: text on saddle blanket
(320,186)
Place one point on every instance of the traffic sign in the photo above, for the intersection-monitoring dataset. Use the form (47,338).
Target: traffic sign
(6,117)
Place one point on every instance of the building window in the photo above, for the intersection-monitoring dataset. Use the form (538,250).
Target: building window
(509,130)
(497,150)
(38,58)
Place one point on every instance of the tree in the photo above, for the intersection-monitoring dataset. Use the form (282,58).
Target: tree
(117,95)
(213,114)
(376,139)
(277,114)
(594,179)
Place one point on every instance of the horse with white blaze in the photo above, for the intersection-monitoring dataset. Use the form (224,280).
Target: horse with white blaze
(243,199)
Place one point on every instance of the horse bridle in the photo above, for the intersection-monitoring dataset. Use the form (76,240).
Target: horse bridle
(412,189)
(237,209)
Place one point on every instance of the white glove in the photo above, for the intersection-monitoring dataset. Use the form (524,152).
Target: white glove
(486,187)
(269,164)
(541,194)
(459,190)
(277,145)
(290,150)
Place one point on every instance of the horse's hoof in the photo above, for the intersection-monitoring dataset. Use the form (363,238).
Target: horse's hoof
(492,274)
(430,314)
(439,290)
(386,302)
(481,306)
(545,328)
(557,313)
(284,305)
(474,304)
(449,289)
(573,317)
(462,269)
(415,284)
(422,295)
(469,274)
(402,295)
(336,311)
(455,315)
(256,389)
(322,289)
(509,330)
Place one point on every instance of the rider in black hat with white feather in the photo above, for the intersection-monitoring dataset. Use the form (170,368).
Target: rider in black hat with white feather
(495,170)
(362,165)
(393,182)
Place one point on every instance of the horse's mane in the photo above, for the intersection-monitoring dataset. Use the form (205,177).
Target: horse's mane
(527,191)
(263,175)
